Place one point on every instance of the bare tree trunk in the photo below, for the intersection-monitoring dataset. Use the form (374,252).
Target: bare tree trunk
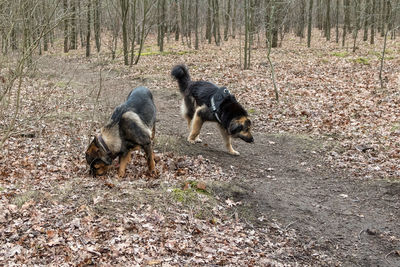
(124,15)
(382,17)
(81,25)
(346,20)
(328,20)
(208,25)
(97,23)
(310,8)
(176,20)
(196,26)
(73,25)
(357,26)
(319,15)
(46,35)
(65,6)
(372,39)
(246,32)
(366,19)
(234,7)
(216,31)
(89,7)
(302,19)
(146,8)
(227,20)
(337,21)
(163,26)
(133,17)
(275,24)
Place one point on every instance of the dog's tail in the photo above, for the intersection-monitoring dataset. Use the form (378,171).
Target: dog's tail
(181,74)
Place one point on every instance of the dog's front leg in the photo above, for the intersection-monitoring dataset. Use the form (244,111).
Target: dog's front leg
(148,149)
(124,159)
(228,141)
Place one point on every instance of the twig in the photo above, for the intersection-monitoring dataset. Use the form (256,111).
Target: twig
(287,226)
(97,100)
(387,255)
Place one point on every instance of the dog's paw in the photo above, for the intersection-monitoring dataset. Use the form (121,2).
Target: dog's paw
(234,152)
(198,140)
(192,141)
(121,174)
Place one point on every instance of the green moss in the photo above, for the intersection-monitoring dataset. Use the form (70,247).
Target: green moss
(164,53)
(340,54)
(25,197)
(361,60)
(395,127)
(325,60)
(190,193)
(251,111)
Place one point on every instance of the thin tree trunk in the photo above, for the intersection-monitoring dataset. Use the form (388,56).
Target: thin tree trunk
(366,19)
(208,25)
(97,23)
(143,30)
(357,27)
(302,19)
(337,21)
(246,32)
(234,7)
(89,7)
(176,20)
(227,20)
(310,8)
(328,20)
(73,25)
(372,39)
(65,6)
(133,17)
(124,13)
(196,26)
(346,20)
(46,35)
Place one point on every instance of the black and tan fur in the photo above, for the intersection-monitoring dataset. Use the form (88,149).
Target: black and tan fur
(233,119)
(131,127)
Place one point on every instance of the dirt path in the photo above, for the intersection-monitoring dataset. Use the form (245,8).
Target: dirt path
(282,178)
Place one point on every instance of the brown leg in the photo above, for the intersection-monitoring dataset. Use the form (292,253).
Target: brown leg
(153,132)
(197,123)
(123,162)
(148,149)
(228,143)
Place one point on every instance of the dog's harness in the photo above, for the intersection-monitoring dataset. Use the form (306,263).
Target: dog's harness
(109,154)
(216,101)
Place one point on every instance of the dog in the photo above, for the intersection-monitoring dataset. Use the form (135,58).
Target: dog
(131,127)
(204,101)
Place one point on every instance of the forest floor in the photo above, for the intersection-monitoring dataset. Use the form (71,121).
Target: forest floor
(320,185)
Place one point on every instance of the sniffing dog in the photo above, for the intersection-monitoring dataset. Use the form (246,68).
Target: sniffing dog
(131,127)
(204,101)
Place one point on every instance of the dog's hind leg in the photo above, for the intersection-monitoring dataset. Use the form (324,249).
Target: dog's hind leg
(197,123)
(123,162)
(148,149)
(228,141)
(153,132)
(187,109)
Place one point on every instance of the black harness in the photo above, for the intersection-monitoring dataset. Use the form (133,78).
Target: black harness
(216,101)
(109,155)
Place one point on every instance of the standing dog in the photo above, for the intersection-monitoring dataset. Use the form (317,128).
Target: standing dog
(132,126)
(204,101)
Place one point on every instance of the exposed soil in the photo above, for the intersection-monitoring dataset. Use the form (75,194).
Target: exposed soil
(284,178)
(280,178)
